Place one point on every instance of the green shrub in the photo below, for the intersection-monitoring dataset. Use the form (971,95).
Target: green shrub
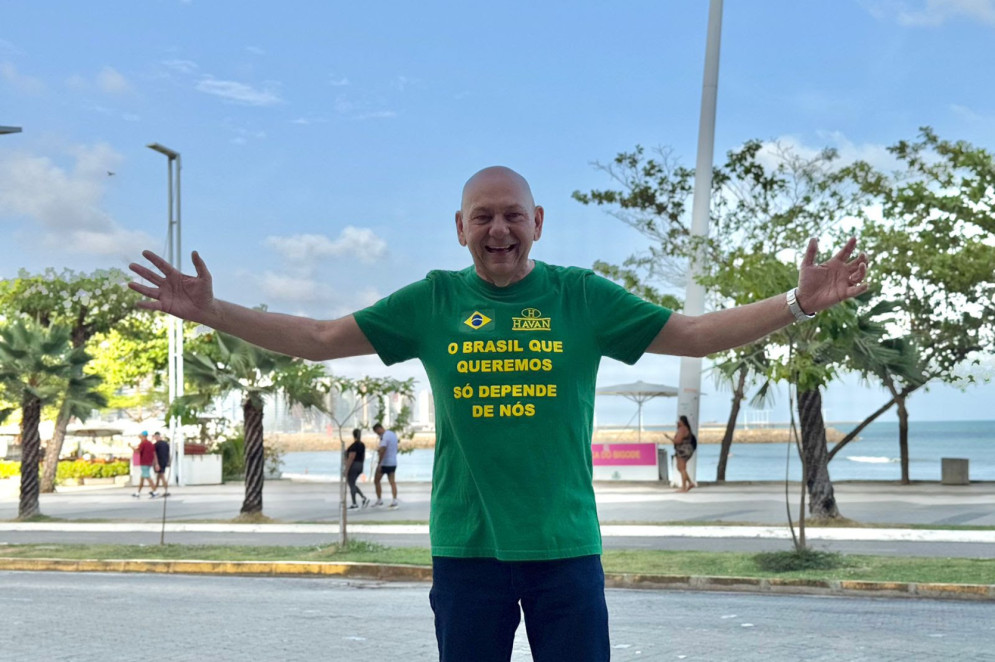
(74,469)
(232,452)
(9,469)
(805,559)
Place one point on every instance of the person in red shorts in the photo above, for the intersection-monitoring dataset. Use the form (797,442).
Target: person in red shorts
(146,459)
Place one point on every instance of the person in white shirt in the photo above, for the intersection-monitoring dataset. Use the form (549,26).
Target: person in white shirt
(386,464)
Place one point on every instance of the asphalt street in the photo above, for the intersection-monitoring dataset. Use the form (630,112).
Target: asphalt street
(98,617)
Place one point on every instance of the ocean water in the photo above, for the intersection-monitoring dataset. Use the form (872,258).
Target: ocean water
(874,456)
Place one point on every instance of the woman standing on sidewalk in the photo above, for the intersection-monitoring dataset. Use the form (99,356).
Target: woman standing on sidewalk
(685,444)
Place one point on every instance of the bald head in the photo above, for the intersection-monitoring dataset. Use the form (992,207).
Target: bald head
(496,177)
(498,221)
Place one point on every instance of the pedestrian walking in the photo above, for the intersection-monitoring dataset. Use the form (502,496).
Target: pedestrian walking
(161,464)
(354,458)
(145,452)
(386,464)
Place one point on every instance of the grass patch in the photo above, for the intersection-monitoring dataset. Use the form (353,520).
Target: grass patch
(799,559)
(656,562)
(252,518)
(356,550)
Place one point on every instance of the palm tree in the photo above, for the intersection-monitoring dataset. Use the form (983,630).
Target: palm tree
(746,364)
(38,365)
(230,364)
(846,338)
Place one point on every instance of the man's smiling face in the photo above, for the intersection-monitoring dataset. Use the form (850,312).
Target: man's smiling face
(498,221)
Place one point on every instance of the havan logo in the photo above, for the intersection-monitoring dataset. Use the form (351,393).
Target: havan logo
(531,320)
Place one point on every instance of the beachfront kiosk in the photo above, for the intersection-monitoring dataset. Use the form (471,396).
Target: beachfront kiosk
(630,460)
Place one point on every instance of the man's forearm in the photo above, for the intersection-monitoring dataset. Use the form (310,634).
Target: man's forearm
(288,334)
(723,329)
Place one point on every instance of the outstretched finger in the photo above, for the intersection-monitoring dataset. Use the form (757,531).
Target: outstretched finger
(145,290)
(146,273)
(847,249)
(856,290)
(200,266)
(159,262)
(810,251)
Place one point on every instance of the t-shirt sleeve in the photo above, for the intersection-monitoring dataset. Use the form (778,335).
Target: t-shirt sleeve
(624,324)
(388,323)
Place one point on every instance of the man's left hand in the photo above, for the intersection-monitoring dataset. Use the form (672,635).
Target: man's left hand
(822,286)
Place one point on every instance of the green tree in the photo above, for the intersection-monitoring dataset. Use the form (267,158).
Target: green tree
(39,365)
(228,365)
(132,359)
(934,249)
(87,304)
(766,203)
(353,397)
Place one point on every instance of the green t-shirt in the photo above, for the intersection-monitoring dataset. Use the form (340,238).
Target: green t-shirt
(513,374)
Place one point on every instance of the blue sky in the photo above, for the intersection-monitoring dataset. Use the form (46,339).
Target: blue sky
(324,145)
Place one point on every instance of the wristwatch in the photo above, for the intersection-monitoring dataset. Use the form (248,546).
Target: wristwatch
(796,310)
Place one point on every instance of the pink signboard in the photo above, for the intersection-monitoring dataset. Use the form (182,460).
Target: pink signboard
(624,454)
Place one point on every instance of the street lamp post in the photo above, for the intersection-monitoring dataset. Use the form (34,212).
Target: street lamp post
(694,301)
(9,129)
(175,329)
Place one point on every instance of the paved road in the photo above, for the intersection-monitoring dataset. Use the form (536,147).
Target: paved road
(99,617)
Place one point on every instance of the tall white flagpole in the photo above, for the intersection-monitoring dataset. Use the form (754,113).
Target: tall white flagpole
(694,301)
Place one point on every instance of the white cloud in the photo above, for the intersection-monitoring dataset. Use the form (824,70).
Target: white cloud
(20,82)
(400,83)
(361,243)
(286,288)
(107,80)
(933,13)
(243,133)
(239,92)
(63,206)
(967,113)
(339,82)
(307,121)
(111,81)
(359,110)
(874,153)
(375,115)
(8,48)
(182,66)
(311,295)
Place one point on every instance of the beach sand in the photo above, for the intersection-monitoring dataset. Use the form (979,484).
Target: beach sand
(292,443)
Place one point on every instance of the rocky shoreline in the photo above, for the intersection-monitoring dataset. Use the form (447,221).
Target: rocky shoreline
(310,442)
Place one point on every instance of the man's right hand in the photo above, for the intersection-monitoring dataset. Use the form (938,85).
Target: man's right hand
(192,298)
(187,297)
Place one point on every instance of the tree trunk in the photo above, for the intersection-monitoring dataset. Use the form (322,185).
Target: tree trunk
(253,423)
(30,455)
(343,534)
(737,399)
(903,438)
(870,419)
(80,334)
(822,501)
(54,449)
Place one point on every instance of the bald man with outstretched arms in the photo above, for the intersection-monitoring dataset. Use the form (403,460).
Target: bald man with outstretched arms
(511,346)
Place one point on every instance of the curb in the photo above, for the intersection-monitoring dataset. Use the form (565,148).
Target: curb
(850,588)
(413,573)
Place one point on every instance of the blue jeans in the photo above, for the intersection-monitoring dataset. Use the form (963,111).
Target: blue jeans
(476,605)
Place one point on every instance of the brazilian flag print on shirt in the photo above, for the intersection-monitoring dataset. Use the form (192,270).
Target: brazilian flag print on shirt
(513,372)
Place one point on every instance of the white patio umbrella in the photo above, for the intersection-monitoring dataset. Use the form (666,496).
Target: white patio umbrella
(639,392)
